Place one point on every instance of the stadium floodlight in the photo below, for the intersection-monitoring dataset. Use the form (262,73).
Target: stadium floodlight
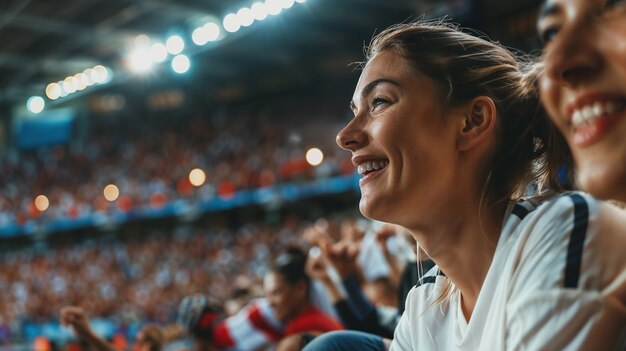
(35,104)
(175,44)
(53,91)
(274,7)
(67,86)
(181,64)
(64,93)
(142,41)
(259,11)
(158,52)
(208,32)
(80,77)
(75,83)
(287,3)
(246,17)
(88,74)
(213,31)
(100,74)
(139,61)
(200,36)
(231,23)
(314,156)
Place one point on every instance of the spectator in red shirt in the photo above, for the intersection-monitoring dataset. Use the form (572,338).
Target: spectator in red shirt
(287,288)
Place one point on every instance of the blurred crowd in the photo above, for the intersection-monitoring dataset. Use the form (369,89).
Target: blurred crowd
(140,280)
(131,282)
(150,165)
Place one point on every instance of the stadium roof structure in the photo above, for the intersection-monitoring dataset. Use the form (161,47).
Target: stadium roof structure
(44,41)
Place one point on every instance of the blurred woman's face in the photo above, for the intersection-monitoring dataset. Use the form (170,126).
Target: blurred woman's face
(584,87)
(400,142)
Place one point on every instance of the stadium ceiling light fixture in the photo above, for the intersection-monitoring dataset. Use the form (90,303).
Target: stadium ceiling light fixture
(142,41)
(231,23)
(246,17)
(274,7)
(78,82)
(208,32)
(287,3)
(158,52)
(259,11)
(175,44)
(181,64)
(53,91)
(35,104)
(139,61)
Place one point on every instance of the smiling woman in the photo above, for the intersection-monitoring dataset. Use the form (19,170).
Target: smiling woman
(448,135)
(584,87)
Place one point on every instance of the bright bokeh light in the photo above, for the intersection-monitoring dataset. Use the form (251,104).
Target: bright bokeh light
(314,156)
(181,64)
(142,41)
(213,31)
(273,7)
(259,11)
(199,36)
(80,78)
(75,83)
(42,203)
(53,91)
(87,79)
(100,74)
(287,3)
(197,177)
(208,32)
(111,192)
(87,74)
(139,61)
(246,17)
(300,1)
(64,93)
(68,86)
(175,45)
(231,23)
(35,104)
(158,52)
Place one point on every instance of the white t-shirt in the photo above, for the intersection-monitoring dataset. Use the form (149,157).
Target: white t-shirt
(544,289)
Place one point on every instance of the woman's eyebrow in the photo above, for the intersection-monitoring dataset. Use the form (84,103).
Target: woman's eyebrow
(370,86)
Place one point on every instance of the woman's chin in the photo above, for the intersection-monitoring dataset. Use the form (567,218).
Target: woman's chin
(374,210)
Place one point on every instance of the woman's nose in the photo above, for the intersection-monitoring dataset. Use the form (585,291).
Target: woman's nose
(352,137)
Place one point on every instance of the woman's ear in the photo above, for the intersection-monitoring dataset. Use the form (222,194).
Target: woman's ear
(479,122)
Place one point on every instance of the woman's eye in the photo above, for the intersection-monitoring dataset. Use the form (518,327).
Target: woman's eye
(376,102)
(548,34)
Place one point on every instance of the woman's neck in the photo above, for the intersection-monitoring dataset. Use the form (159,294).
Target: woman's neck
(464,248)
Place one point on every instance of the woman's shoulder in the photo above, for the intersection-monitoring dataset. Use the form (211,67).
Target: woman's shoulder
(575,217)
(568,240)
